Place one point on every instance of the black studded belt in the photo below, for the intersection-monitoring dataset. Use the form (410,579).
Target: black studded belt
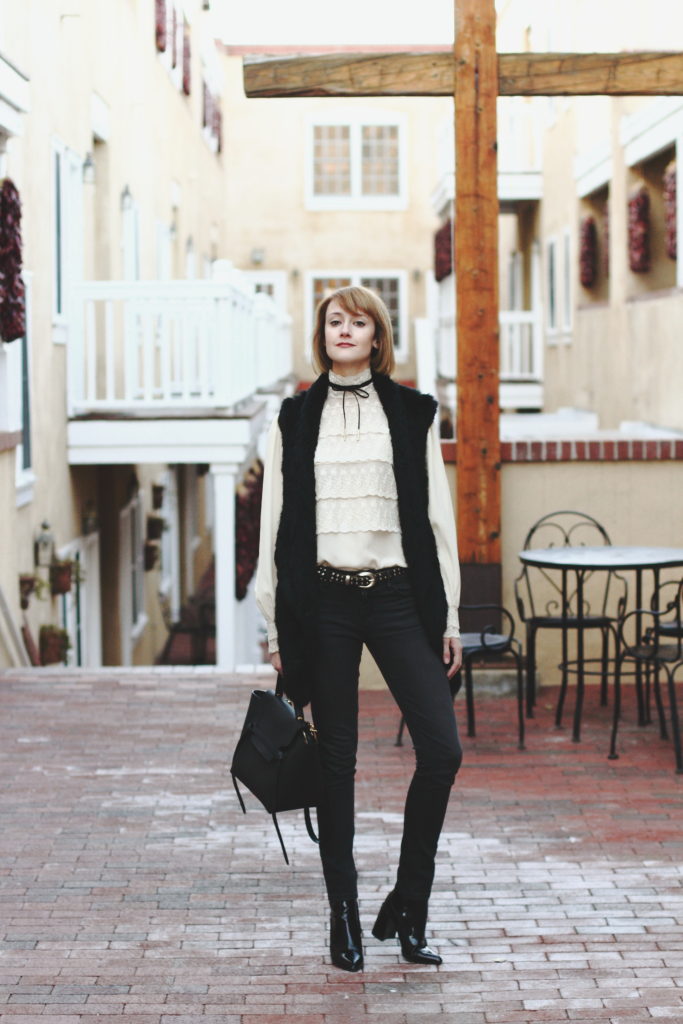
(362,578)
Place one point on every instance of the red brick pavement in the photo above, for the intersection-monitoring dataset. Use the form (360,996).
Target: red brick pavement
(133,890)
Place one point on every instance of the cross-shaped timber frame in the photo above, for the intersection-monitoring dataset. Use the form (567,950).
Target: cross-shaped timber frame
(475,75)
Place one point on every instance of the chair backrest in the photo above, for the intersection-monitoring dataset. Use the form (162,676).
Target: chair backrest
(537,591)
(655,633)
(566,528)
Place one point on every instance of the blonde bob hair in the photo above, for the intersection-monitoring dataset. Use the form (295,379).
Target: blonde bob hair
(357,299)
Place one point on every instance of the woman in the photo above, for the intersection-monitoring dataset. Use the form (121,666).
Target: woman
(358,546)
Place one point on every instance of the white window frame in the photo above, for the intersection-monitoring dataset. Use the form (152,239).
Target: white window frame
(79,608)
(67,233)
(552,293)
(356,120)
(13,414)
(274,279)
(356,277)
(169,583)
(131,574)
(567,287)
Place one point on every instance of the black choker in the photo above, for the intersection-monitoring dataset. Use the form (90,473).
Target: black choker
(357,390)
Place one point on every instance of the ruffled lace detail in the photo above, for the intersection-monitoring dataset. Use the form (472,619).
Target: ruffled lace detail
(354,469)
(370,448)
(355,480)
(356,378)
(357,515)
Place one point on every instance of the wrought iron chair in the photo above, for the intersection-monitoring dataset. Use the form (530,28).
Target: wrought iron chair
(545,603)
(197,621)
(488,643)
(657,647)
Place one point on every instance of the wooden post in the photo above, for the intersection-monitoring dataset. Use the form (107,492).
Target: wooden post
(476,273)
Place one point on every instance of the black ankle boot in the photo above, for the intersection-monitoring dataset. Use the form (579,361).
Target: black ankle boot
(346,944)
(408,918)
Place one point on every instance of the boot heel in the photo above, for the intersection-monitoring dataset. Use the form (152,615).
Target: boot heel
(384,927)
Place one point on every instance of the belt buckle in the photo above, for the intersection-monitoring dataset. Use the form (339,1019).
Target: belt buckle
(366,574)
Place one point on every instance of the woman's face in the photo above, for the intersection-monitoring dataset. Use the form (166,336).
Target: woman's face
(349,340)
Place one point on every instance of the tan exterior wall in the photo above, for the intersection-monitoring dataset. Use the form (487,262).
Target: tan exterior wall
(266,147)
(622,358)
(155,148)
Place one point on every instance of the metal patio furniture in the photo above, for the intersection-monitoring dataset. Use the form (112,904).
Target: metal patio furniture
(545,602)
(489,641)
(653,639)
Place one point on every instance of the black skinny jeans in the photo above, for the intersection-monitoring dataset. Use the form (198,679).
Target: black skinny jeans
(385,618)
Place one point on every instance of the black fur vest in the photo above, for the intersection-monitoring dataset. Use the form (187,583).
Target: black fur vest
(410,415)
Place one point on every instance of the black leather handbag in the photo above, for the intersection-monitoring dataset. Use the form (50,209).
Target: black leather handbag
(276,758)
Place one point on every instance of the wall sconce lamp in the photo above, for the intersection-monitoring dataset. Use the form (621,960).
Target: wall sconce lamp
(88,170)
(257,256)
(44,546)
(126,199)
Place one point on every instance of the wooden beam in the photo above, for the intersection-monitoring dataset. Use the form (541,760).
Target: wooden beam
(433,74)
(478,499)
(590,74)
(369,74)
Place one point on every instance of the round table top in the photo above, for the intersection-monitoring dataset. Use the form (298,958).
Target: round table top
(609,556)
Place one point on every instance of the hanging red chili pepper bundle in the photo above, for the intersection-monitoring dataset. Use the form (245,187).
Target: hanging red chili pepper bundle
(12,293)
(670,210)
(160,25)
(588,254)
(639,231)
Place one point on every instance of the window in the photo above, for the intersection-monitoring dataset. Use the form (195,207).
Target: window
(272,283)
(567,267)
(390,286)
(356,164)
(132,575)
(67,232)
(551,284)
(15,403)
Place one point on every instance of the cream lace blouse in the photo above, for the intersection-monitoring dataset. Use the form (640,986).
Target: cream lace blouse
(356,501)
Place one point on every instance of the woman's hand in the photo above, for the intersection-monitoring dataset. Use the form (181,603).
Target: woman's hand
(276,661)
(452,654)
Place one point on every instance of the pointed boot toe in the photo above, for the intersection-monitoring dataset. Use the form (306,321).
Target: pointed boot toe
(408,920)
(346,942)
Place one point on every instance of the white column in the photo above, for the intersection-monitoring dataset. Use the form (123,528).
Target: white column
(224,481)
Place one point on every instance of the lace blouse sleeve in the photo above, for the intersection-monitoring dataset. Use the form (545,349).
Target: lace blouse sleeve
(442,521)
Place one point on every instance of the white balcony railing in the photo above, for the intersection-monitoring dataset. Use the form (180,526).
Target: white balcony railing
(163,345)
(521,347)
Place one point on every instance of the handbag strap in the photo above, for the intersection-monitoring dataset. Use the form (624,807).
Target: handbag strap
(280,692)
(309,825)
(239,795)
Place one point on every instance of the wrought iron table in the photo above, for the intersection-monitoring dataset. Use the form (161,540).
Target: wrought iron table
(584,561)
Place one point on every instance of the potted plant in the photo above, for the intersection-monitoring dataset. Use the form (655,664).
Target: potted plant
(151,554)
(155,527)
(61,576)
(54,644)
(30,583)
(157,495)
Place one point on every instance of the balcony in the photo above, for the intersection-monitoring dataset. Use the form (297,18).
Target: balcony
(521,359)
(153,365)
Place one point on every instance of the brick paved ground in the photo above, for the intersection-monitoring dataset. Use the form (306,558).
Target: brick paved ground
(133,890)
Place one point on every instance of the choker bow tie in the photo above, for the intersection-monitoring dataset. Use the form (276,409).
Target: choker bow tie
(357,390)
